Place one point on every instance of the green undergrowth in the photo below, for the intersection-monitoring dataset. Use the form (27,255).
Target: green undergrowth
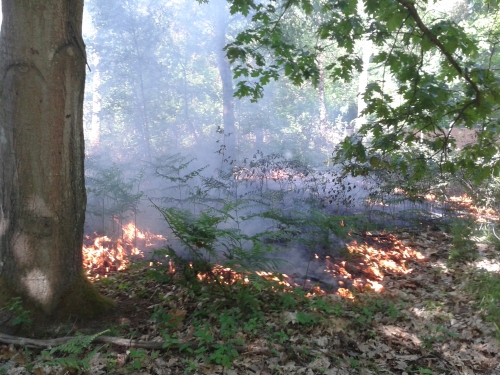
(483,285)
(204,322)
(15,314)
(219,318)
(209,322)
(463,242)
(485,288)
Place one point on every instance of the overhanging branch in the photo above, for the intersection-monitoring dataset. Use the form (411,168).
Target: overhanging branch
(434,39)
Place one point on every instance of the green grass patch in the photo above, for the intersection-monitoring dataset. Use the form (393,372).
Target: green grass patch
(486,291)
(463,243)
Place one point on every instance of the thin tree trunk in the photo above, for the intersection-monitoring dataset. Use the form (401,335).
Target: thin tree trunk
(363,82)
(226,75)
(42,193)
(323,117)
(185,96)
(94,135)
(324,130)
(143,105)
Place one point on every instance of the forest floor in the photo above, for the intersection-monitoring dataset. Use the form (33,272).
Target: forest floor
(408,311)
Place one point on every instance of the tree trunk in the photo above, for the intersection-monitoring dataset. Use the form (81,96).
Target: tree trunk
(94,134)
(367,47)
(226,75)
(322,139)
(141,99)
(42,193)
(323,117)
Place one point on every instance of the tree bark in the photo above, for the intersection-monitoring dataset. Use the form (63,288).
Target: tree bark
(42,190)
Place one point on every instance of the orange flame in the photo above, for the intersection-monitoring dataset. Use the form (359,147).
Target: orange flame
(380,255)
(480,214)
(102,255)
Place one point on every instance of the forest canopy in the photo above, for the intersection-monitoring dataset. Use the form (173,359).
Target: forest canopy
(432,73)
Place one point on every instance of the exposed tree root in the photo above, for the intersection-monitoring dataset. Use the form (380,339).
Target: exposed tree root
(128,343)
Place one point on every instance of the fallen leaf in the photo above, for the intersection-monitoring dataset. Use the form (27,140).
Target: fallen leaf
(290,317)
(177,317)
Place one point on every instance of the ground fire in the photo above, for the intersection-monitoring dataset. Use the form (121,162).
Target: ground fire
(371,258)
(377,255)
(103,255)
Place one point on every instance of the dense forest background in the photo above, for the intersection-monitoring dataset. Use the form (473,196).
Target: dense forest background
(162,99)
(160,108)
(156,87)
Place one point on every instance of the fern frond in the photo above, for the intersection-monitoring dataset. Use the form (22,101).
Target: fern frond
(77,344)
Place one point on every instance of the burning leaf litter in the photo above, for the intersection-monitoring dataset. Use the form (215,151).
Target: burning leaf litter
(464,205)
(102,255)
(380,254)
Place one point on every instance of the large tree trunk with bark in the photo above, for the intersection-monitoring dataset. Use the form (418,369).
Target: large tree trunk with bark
(42,190)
